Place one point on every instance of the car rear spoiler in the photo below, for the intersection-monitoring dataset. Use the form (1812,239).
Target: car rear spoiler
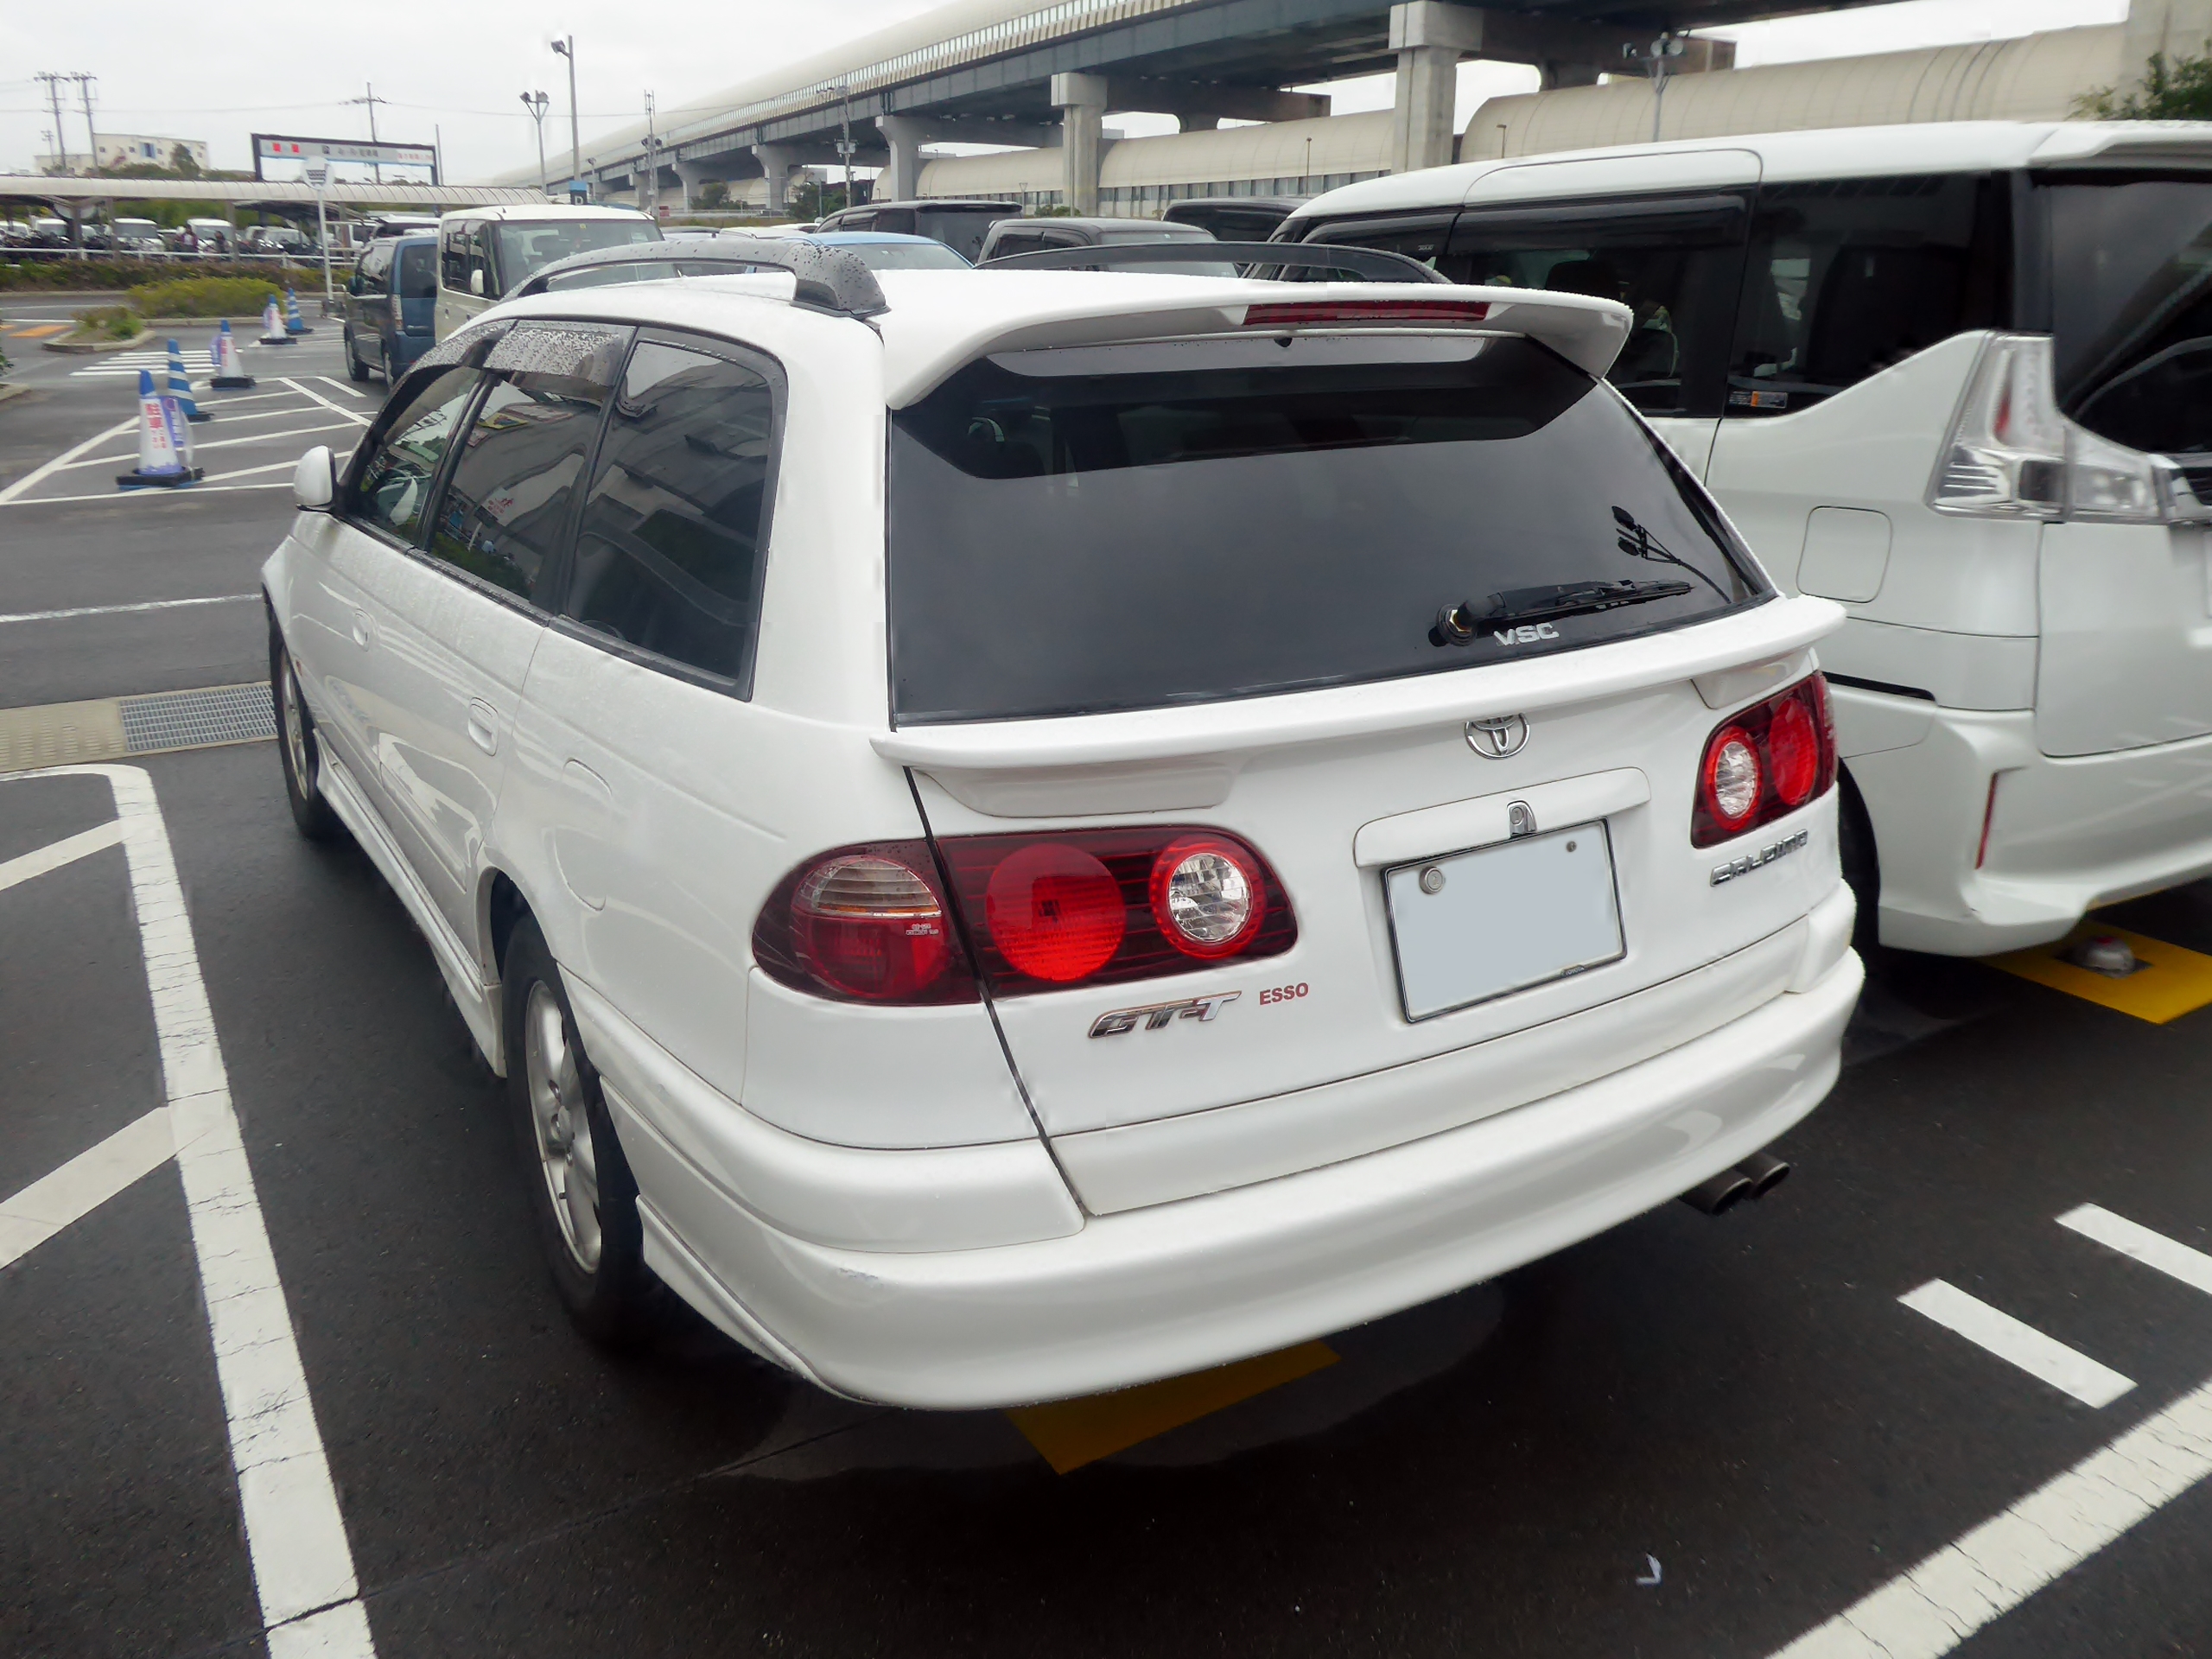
(1368,264)
(1587,331)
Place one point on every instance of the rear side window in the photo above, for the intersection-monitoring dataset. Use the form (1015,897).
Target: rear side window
(392,491)
(1848,276)
(1136,526)
(963,230)
(1675,261)
(668,551)
(1017,242)
(2131,287)
(417,277)
(513,486)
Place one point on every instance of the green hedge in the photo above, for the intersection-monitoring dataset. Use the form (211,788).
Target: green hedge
(117,274)
(110,322)
(204,297)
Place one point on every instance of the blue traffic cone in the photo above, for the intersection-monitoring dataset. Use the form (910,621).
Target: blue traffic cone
(228,376)
(293,323)
(181,388)
(164,443)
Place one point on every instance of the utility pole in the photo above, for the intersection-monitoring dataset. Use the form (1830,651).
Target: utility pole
(372,101)
(648,181)
(844,91)
(536,103)
(567,48)
(60,144)
(1658,60)
(91,138)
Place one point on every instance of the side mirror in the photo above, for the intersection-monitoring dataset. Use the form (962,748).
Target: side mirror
(476,281)
(314,481)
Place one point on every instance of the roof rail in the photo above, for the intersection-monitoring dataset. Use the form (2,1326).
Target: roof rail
(828,279)
(1367,265)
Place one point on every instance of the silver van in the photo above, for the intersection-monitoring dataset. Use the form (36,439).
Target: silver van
(483,252)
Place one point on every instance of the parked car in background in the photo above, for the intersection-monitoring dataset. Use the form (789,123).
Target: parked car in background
(210,236)
(1233,218)
(389,306)
(970,978)
(961,226)
(884,250)
(1010,237)
(138,235)
(484,251)
(1955,376)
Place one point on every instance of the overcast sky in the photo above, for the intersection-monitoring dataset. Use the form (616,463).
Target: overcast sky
(223,68)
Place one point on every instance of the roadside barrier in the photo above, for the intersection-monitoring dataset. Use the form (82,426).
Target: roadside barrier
(293,323)
(228,376)
(180,387)
(272,324)
(164,443)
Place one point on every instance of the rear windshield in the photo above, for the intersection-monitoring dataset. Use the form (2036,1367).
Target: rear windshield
(961,229)
(529,247)
(2131,260)
(418,277)
(1136,526)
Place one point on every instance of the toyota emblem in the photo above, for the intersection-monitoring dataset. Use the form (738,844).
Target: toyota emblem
(1498,737)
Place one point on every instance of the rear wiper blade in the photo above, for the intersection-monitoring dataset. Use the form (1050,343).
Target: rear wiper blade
(1457,625)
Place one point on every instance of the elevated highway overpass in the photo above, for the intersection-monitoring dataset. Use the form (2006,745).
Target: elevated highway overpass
(1014,72)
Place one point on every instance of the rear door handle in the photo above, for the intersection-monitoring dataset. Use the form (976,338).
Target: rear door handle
(484,725)
(365,630)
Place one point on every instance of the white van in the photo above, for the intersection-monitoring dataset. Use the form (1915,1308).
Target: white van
(1958,377)
(483,252)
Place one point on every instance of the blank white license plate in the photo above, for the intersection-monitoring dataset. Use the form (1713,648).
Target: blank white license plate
(1470,926)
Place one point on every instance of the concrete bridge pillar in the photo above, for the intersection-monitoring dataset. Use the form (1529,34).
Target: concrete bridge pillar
(1081,101)
(902,179)
(690,175)
(1430,37)
(776,162)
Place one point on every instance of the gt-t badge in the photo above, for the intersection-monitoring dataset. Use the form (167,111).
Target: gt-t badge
(1158,1014)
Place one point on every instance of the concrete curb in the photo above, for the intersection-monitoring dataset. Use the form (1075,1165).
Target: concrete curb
(93,347)
(8,390)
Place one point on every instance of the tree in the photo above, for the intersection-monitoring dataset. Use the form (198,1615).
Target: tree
(715,192)
(2177,89)
(181,163)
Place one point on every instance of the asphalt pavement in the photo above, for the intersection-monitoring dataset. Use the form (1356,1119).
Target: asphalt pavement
(1687,1437)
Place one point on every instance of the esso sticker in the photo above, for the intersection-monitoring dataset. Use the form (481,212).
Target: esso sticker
(1282,994)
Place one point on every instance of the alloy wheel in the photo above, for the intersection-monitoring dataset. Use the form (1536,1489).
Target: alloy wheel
(560,1125)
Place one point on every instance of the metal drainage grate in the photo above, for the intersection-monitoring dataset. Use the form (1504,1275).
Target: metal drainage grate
(198,720)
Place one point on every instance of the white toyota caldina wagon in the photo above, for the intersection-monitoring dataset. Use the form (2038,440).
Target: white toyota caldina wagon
(1016,834)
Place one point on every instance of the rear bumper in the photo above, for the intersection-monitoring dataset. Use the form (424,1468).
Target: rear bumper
(1176,1288)
(2065,835)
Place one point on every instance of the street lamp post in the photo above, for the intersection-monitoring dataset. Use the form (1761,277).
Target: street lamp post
(536,103)
(1658,62)
(567,48)
(318,174)
(845,134)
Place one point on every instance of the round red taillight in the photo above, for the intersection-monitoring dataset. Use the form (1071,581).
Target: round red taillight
(1055,912)
(1207,896)
(1732,776)
(871,927)
(1794,746)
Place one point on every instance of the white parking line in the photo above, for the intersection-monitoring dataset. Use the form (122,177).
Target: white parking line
(82,1184)
(67,850)
(225,443)
(1930,1609)
(351,392)
(39,474)
(2176,1260)
(2040,1357)
(145,605)
(296,1537)
(203,488)
(340,408)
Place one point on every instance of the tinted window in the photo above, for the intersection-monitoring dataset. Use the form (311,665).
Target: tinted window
(898,222)
(394,484)
(1124,527)
(2131,269)
(416,279)
(1675,262)
(668,554)
(961,229)
(1015,242)
(1847,277)
(504,512)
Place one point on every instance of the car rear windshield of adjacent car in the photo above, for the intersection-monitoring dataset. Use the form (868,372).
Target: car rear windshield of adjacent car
(2131,284)
(1136,526)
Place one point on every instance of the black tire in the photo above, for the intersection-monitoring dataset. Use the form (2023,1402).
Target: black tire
(354,371)
(610,1294)
(299,751)
(1862,865)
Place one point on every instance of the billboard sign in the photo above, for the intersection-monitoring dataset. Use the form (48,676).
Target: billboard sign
(276,147)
